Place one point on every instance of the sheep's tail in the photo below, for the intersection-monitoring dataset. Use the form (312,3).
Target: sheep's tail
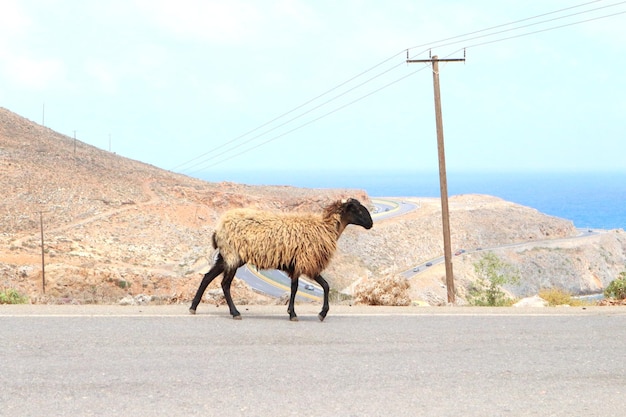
(216,253)
(214,241)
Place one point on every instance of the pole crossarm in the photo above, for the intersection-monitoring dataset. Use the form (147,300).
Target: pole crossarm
(433,59)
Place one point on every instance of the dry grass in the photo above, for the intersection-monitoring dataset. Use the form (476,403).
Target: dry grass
(387,291)
(559,297)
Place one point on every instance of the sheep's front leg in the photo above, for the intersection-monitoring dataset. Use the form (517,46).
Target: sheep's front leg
(326,289)
(292,299)
(229,274)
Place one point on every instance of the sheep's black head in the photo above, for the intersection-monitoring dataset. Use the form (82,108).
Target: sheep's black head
(353,212)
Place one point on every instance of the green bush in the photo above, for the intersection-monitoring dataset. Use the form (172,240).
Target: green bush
(123,284)
(493,273)
(11,296)
(617,288)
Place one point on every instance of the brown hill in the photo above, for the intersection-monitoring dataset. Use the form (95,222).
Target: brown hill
(114,226)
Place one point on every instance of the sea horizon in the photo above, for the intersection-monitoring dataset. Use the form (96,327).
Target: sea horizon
(589,199)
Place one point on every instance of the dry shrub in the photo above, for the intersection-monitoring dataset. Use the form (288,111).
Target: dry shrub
(390,290)
(559,297)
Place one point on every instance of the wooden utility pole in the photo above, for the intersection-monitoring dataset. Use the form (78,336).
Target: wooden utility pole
(443,182)
(43,263)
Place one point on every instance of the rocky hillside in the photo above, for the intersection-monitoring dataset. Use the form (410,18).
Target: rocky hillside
(114,226)
(547,251)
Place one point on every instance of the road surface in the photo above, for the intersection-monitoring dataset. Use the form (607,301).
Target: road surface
(361,361)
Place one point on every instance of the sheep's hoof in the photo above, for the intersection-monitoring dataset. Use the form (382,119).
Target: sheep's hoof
(237,317)
(294,318)
(192,311)
(322,314)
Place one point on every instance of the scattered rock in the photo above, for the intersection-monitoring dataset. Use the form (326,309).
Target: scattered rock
(534,301)
(138,300)
(612,302)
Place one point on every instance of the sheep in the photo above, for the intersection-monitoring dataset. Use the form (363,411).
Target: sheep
(296,243)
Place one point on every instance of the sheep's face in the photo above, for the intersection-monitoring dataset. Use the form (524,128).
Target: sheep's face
(353,212)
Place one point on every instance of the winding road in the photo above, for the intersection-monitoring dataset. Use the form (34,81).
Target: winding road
(411,272)
(275,283)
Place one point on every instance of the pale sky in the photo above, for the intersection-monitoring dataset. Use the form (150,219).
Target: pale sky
(167,81)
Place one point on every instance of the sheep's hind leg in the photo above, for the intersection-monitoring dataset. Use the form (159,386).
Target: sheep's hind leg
(217,269)
(292,299)
(229,274)
(326,288)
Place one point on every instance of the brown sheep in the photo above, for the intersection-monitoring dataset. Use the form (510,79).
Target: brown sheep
(296,243)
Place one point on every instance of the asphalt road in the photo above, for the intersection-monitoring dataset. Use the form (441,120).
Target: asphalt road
(361,361)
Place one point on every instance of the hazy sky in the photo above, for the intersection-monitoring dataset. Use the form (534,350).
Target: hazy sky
(170,81)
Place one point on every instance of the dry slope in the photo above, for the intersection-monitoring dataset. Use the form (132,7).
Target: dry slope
(112,225)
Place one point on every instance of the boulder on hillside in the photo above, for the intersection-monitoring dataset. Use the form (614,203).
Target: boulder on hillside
(534,301)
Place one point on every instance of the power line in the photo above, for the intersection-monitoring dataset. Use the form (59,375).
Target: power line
(433,44)
(535,24)
(293,110)
(545,30)
(212,156)
(299,116)
(397,80)
(313,120)
(376,91)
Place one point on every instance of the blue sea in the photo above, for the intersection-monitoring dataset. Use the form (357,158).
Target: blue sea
(590,200)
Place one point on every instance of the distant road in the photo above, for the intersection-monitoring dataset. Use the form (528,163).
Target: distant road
(276,283)
(421,267)
(388,207)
